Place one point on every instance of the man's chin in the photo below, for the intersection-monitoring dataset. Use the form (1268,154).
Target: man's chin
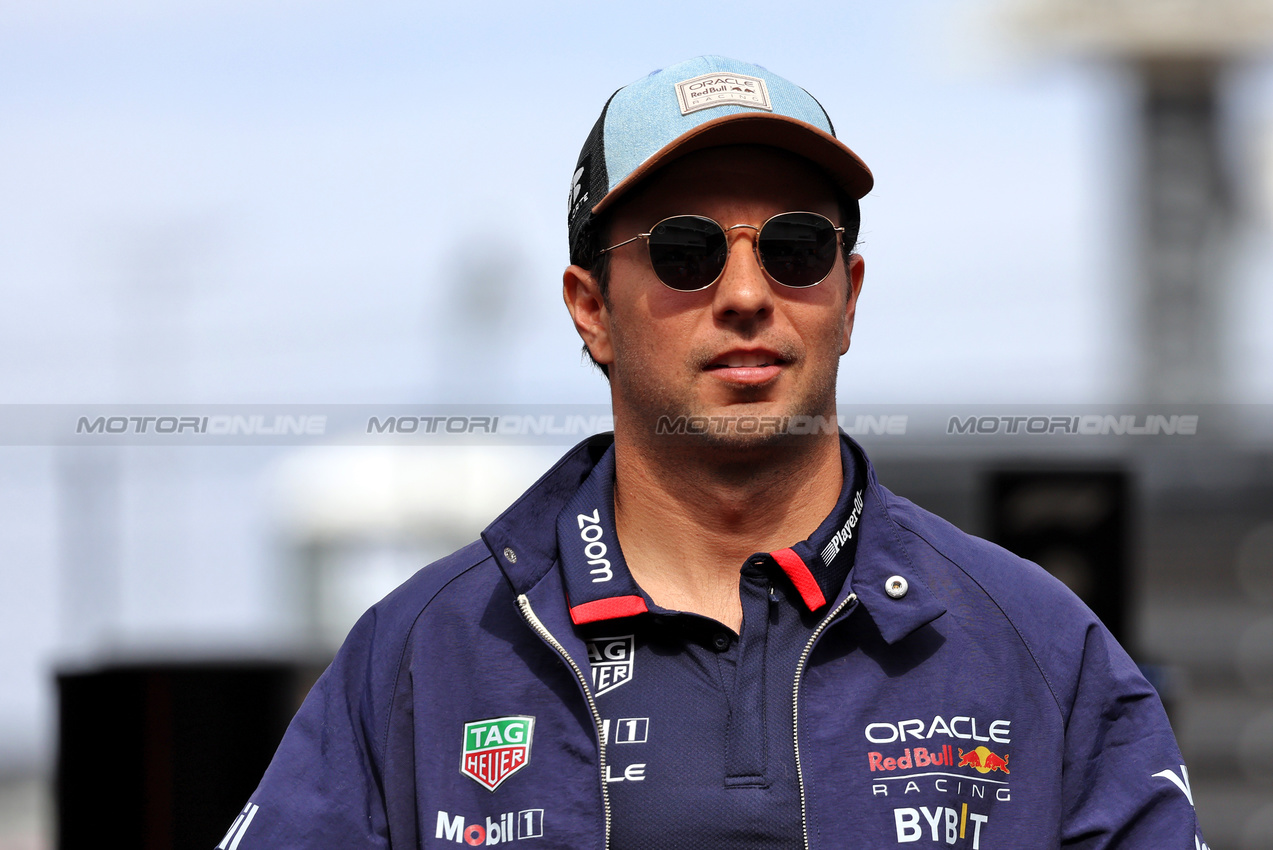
(743,431)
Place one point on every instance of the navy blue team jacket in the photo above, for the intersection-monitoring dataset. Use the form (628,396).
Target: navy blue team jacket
(985,707)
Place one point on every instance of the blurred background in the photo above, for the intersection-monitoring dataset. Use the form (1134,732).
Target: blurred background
(332,203)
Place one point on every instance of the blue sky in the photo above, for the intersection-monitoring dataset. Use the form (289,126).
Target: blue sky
(278,201)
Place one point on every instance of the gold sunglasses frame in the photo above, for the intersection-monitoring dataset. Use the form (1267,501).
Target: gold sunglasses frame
(755,246)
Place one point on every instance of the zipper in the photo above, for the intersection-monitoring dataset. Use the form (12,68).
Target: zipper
(540,629)
(795,707)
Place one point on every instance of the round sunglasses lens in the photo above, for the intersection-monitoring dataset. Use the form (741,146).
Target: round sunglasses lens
(687,252)
(798,249)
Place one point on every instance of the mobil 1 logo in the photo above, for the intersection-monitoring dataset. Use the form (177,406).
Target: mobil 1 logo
(509,826)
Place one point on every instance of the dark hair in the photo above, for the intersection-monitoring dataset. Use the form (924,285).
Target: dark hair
(591,242)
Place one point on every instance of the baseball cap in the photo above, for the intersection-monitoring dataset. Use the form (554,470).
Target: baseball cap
(701,103)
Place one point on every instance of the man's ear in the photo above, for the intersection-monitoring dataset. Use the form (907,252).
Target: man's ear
(857,273)
(587,307)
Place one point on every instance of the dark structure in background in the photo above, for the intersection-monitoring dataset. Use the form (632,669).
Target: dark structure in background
(1187,215)
(1073,523)
(163,756)
(1180,55)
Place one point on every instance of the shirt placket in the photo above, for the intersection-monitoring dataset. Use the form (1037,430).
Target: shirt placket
(746,745)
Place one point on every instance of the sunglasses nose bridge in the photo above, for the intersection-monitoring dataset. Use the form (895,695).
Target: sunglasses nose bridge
(755,241)
(743,287)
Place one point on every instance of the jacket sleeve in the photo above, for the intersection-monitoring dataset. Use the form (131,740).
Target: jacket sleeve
(324,787)
(1125,784)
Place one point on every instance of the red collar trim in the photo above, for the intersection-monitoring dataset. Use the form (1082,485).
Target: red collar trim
(800,576)
(609,609)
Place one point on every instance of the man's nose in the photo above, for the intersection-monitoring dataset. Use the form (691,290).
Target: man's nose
(743,291)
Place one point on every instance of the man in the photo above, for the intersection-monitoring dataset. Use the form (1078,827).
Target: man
(716,629)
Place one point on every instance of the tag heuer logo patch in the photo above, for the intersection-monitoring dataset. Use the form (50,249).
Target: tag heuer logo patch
(708,90)
(611,662)
(495,749)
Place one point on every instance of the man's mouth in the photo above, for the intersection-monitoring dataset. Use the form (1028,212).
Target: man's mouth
(749,360)
(746,360)
(754,368)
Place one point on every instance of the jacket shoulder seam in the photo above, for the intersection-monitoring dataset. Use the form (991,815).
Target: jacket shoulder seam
(406,641)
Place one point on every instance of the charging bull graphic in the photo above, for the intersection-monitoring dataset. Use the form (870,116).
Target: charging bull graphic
(983,760)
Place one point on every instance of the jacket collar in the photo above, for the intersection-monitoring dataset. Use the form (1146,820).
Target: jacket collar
(600,587)
(524,541)
(882,559)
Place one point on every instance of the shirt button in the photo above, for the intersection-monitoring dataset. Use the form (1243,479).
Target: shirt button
(896,587)
(720,642)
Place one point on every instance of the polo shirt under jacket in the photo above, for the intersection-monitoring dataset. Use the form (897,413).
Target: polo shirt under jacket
(951,695)
(698,720)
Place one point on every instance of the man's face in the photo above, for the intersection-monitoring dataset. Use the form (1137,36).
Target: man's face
(745,346)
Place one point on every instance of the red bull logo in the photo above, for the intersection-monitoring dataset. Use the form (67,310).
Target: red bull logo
(983,760)
(919,757)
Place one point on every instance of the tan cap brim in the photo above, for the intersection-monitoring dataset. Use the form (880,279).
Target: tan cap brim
(757,128)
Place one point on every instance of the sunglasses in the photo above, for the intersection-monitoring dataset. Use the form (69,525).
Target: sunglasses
(688,252)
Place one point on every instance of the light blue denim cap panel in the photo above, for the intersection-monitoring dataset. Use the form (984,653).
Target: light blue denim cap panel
(645,116)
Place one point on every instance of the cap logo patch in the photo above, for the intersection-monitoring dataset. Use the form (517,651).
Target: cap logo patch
(708,90)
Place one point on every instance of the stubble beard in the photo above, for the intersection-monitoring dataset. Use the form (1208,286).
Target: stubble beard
(666,418)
